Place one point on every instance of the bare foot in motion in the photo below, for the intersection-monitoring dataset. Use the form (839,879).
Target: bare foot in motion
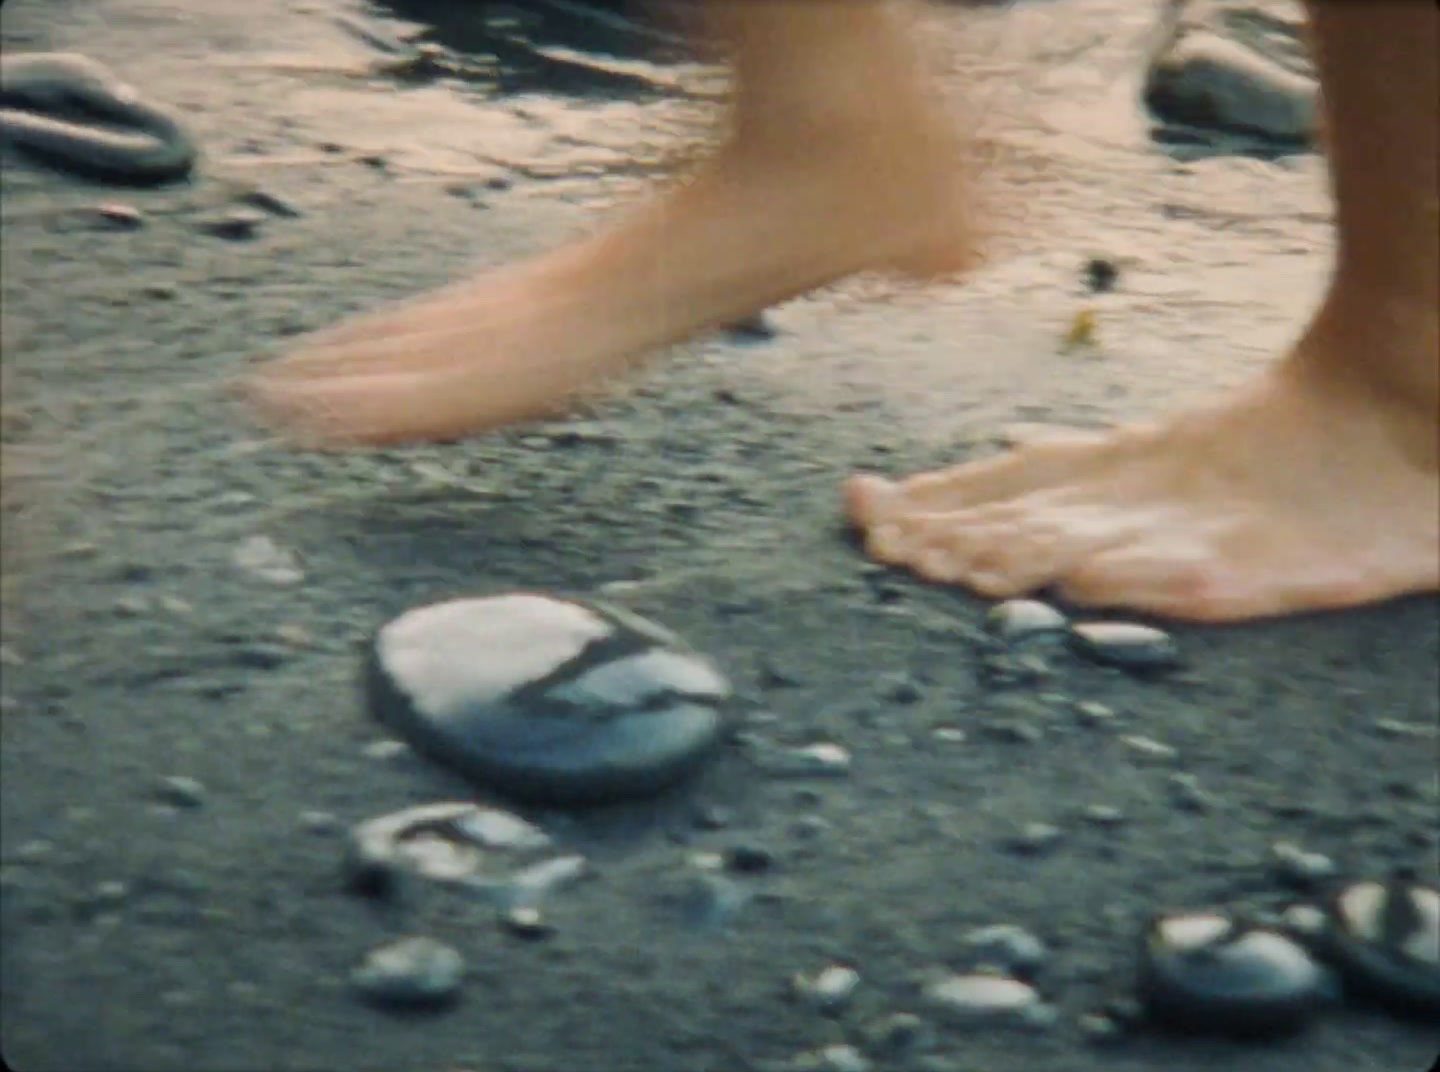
(1302,492)
(836,161)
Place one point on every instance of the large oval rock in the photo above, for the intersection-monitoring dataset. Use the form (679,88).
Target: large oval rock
(545,699)
(1208,974)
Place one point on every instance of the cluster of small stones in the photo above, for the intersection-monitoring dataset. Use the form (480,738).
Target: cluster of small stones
(552,686)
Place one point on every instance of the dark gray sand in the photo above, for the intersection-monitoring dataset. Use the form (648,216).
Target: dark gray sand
(184,744)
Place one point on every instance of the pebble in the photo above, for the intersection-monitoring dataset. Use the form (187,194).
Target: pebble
(1100,274)
(828,990)
(709,899)
(1300,869)
(410,972)
(234,225)
(899,1035)
(753,329)
(1034,839)
(1205,973)
(548,700)
(384,749)
(1102,815)
(119,217)
(1098,1029)
(1017,619)
(1094,713)
(526,921)
(969,999)
(1149,749)
(1394,727)
(902,688)
(1008,947)
(1384,938)
(749,859)
(181,791)
(820,760)
(444,842)
(1188,794)
(1139,648)
(262,557)
(838,1057)
(1014,731)
(266,201)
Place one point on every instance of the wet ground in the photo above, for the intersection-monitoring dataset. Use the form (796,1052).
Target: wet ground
(141,930)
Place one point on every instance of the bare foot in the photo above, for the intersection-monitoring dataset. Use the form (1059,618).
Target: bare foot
(760,224)
(1298,493)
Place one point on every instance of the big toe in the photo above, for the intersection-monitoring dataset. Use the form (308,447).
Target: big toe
(870,499)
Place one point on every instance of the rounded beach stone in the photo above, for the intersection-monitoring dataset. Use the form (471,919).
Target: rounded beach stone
(547,700)
(1207,974)
(1384,938)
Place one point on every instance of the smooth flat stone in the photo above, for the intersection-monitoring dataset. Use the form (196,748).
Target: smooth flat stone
(1016,619)
(547,700)
(1204,973)
(1126,645)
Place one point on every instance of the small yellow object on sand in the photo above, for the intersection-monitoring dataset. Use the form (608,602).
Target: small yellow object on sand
(1082,330)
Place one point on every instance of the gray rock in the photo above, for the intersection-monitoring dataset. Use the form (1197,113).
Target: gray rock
(1126,645)
(181,791)
(971,999)
(1235,65)
(1008,947)
(546,699)
(1206,973)
(1298,868)
(1035,839)
(828,990)
(410,972)
(823,759)
(1017,619)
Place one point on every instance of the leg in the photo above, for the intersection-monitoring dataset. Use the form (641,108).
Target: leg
(834,160)
(1317,485)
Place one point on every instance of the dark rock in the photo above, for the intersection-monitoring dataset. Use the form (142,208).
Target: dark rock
(1208,974)
(548,700)
(753,329)
(749,859)
(235,225)
(1100,274)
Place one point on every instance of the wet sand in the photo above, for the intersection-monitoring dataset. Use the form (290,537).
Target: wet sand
(142,934)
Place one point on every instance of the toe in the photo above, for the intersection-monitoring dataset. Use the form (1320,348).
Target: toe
(1008,549)
(869,499)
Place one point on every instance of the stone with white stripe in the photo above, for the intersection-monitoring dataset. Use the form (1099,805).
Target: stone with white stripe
(548,700)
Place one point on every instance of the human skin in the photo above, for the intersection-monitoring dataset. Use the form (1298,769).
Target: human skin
(1316,485)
